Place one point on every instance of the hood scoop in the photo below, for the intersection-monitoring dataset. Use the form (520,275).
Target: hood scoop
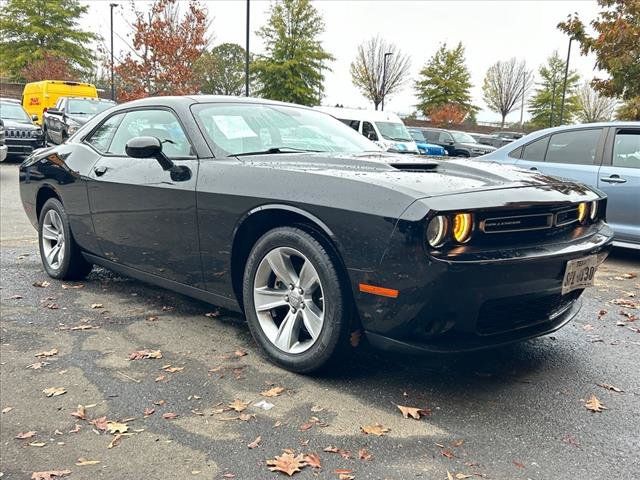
(415,166)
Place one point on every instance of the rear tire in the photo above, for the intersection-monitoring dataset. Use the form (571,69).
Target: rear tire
(300,316)
(60,255)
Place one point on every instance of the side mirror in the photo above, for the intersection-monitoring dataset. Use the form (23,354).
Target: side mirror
(449,142)
(34,118)
(151,147)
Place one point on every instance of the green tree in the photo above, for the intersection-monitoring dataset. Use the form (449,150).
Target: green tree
(221,70)
(616,46)
(545,104)
(30,30)
(445,80)
(292,67)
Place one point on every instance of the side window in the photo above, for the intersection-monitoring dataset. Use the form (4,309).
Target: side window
(535,151)
(517,153)
(444,137)
(101,137)
(431,136)
(626,149)
(368,131)
(355,124)
(577,147)
(161,124)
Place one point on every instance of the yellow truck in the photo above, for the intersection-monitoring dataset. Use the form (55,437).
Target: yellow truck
(37,97)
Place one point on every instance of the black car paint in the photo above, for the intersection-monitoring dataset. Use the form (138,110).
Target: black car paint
(455,148)
(19,139)
(371,208)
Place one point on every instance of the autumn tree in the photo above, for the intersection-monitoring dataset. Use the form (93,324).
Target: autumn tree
(629,110)
(445,79)
(592,106)
(545,104)
(50,67)
(368,69)
(166,44)
(221,70)
(292,66)
(447,115)
(505,86)
(616,46)
(36,30)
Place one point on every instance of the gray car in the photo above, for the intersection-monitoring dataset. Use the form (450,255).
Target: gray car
(602,155)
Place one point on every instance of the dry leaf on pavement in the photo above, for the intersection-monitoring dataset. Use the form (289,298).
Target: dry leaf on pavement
(610,387)
(148,411)
(287,463)
(41,284)
(238,405)
(413,412)
(375,429)
(76,429)
(97,305)
(273,392)
(169,415)
(38,365)
(50,475)
(82,462)
(117,427)
(594,404)
(170,369)
(72,287)
(79,413)
(47,353)
(37,444)
(116,441)
(142,354)
(255,443)
(7,409)
(54,391)
(25,435)
(100,423)
(312,460)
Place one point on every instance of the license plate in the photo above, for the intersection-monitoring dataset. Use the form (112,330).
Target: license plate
(579,273)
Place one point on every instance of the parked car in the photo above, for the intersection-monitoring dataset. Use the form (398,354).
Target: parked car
(423,147)
(239,202)
(457,144)
(21,135)
(383,128)
(602,155)
(37,97)
(69,114)
(3,147)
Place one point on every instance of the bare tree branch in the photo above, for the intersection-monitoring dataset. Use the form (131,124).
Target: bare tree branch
(367,69)
(594,107)
(505,85)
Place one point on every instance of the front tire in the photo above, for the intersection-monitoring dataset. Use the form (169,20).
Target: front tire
(61,256)
(296,303)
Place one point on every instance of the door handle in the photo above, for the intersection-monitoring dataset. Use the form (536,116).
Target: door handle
(101,170)
(535,169)
(613,179)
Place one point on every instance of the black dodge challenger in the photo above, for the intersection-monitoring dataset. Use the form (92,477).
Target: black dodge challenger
(288,215)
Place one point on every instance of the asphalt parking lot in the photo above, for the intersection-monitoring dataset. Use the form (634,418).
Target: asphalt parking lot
(513,413)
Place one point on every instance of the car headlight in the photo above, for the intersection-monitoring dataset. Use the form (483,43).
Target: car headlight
(593,210)
(462,227)
(583,209)
(36,133)
(437,231)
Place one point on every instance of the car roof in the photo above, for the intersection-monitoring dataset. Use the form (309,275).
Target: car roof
(357,114)
(194,99)
(93,99)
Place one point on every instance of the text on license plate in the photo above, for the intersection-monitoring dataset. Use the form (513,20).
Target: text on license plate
(579,273)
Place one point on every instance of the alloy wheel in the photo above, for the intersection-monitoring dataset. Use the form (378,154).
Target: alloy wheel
(288,299)
(53,240)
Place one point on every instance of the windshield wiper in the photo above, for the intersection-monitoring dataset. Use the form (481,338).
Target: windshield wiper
(273,150)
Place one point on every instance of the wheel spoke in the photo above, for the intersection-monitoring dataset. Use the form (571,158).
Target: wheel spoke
(54,220)
(48,232)
(312,321)
(52,254)
(281,265)
(266,298)
(287,335)
(308,276)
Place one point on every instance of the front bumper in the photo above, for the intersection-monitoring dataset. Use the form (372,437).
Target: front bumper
(468,303)
(23,146)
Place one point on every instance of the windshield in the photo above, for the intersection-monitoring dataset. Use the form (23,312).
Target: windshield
(13,111)
(244,129)
(394,131)
(417,135)
(88,107)
(462,137)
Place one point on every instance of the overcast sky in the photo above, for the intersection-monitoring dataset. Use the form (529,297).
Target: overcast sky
(489,30)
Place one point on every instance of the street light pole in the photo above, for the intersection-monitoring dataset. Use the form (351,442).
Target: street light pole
(384,77)
(566,74)
(113,87)
(246,58)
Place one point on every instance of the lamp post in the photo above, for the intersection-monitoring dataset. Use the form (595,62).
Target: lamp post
(246,58)
(113,87)
(566,74)
(384,77)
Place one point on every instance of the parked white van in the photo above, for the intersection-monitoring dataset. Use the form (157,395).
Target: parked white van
(385,129)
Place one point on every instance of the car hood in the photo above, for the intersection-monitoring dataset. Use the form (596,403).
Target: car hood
(409,174)
(10,124)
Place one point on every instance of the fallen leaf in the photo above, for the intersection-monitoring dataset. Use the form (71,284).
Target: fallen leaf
(447,453)
(449,476)
(375,429)
(82,327)
(312,460)
(306,426)
(41,284)
(15,297)
(159,402)
(167,308)
(629,276)
(52,306)
(412,412)
(115,441)
(160,378)
(25,435)
(170,369)
(48,353)
(355,338)
(7,409)
(152,318)
(76,429)
(54,391)
(630,316)
(238,405)
(594,404)
(239,353)
(462,476)
(82,462)
(100,423)
(601,313)
(212,314)
(79,413)
(363,454)
(117,427)
(255,443)
(317,409)
(518,464)
(610,387)
(287,463)
(49,475)
(72,287)
(169,415)
(345,476)
(97,305)
(38,365)
(37,444)
(273,392)
(148,411)
(142,354)
(623,302)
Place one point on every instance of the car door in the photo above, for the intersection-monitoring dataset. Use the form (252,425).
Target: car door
(142,216)
(446,141)
(572,154)
(619,178)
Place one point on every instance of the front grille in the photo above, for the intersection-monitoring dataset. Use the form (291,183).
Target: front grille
(517,223)
(18,133)
(503,315)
